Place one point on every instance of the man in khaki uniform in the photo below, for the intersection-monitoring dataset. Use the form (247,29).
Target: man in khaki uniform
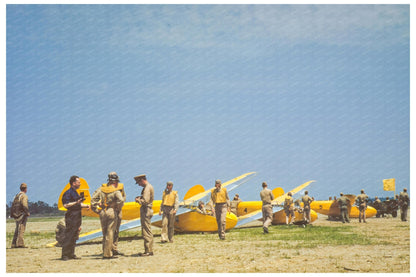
(20,216)
(307,200)
(146,213)
(289,207)
(266,196)
(404,202)
(169,206)
(362,205)
(114,179)
(221,202)
(234,204)
(110,200)
(344,204)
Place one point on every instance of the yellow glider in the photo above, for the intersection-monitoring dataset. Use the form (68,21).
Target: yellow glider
(249,211)
(188,220)
(331,208)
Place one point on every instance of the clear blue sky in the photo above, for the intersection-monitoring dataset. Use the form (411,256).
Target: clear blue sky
(194,93)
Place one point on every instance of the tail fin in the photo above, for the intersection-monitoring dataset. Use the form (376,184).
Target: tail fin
(278,192)
(194,191)
(352,198)
(83,188)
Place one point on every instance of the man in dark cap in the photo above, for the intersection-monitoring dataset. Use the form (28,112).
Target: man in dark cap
(146,213)
(20,212)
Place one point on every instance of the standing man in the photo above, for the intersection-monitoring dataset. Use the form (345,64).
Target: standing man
(234,204)
(221,202)
(266,196)
(107,202)
(307,200)
(169,206)
(362,200)
(404,202)
(289,207)
(72,201)
(146,213)
(20,212)
(344,203)
(114,180)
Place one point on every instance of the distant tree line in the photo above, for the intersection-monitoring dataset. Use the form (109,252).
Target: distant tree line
(39,208)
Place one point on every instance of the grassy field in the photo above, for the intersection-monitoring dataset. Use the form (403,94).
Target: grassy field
(381,245)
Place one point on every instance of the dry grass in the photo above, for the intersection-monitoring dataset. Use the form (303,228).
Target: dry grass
(381,245)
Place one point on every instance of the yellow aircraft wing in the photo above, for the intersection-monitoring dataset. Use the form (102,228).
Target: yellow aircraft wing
(277,206)
(194,194)
(237,181)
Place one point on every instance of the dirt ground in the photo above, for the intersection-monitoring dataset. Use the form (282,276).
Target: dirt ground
(205,253)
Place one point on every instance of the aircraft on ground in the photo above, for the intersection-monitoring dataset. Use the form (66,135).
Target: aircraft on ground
(331,208)
(249,211)
(188,219)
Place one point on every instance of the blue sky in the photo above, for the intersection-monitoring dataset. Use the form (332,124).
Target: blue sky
(194,93)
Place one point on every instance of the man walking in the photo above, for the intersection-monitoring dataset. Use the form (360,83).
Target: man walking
(146,213)
(266,196)
(20,212)
(221,202)
(169,206)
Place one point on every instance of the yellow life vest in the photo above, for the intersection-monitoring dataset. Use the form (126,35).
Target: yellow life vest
(221,196)
(169,198)
(107,189)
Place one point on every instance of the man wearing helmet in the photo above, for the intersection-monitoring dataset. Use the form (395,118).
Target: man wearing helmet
(114,179)
(107,201)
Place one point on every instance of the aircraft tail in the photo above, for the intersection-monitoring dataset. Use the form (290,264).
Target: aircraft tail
(194,191)
(83,188)
(351,197)
(278,192)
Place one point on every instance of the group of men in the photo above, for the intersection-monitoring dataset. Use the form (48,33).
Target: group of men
(344,203)
(267,197)
(108,200)
(362,201)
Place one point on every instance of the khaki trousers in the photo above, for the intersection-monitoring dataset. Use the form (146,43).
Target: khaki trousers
(168,222)
(117,229)
(19,231)
(146,214)
(220,215)
(108,226)
(267,215)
